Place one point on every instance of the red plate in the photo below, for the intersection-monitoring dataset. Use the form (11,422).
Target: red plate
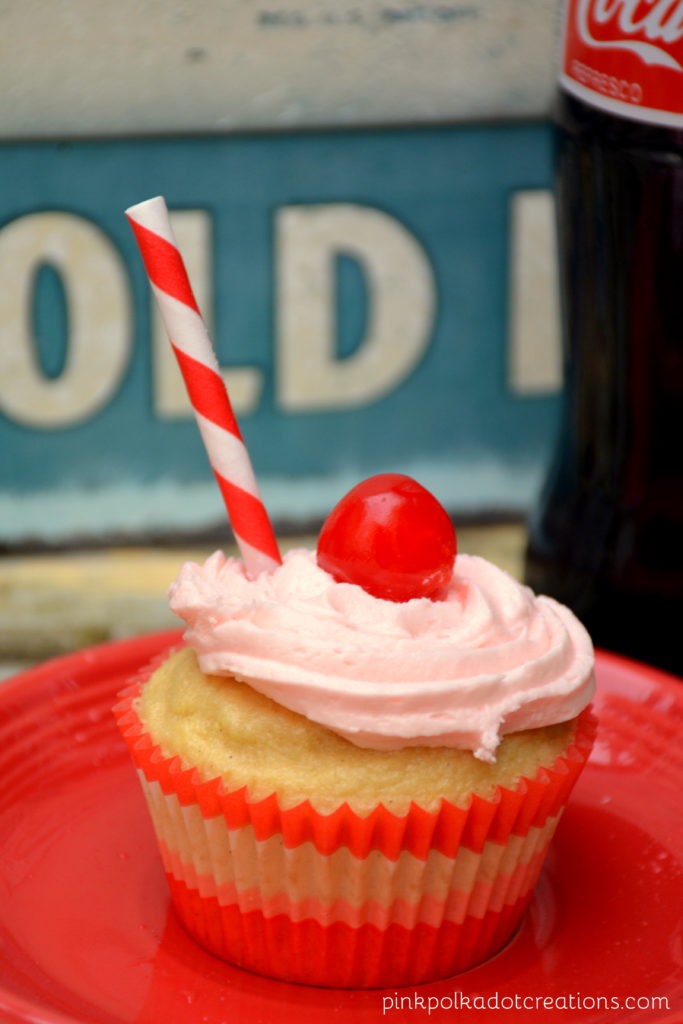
(87,935)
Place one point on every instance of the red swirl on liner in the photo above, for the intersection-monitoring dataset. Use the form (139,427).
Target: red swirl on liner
(338,955)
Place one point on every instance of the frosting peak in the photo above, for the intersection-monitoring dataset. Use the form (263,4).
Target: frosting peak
(488,659)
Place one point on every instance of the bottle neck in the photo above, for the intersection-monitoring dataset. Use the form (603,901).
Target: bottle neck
(581,118)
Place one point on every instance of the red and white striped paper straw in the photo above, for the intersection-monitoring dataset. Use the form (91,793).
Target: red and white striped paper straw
(210,402)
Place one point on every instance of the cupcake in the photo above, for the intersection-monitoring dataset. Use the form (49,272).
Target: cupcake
(356,764)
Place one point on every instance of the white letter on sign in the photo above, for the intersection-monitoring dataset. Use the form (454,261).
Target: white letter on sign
(535,359)
(99,319)
(401,303)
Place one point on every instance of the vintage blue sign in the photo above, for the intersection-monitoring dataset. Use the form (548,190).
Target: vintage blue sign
(358,290)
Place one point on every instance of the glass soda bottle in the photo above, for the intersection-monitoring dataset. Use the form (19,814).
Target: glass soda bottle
(607,536)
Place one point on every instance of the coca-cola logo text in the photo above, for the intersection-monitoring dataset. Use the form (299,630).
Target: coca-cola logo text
(648,28)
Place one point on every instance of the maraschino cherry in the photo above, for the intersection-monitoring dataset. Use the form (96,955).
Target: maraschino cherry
(391,537)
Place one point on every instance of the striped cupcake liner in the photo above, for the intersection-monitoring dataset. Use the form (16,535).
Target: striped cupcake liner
(342,900)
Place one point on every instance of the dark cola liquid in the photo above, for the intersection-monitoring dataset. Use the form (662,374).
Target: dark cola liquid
(607,537)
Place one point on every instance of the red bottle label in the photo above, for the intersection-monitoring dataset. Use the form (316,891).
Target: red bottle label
(626,57)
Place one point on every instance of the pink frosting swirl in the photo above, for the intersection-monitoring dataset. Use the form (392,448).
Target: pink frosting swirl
(488,659)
